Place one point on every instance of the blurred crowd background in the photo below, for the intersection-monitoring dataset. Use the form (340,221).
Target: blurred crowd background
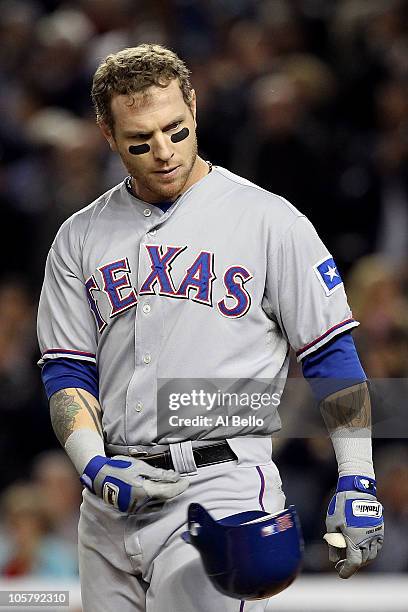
(309,99)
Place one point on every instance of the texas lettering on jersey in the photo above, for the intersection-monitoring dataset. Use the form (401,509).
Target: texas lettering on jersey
(196,285)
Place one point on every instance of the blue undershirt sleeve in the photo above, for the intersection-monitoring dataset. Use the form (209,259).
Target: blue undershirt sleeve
(333,367)
(62,373)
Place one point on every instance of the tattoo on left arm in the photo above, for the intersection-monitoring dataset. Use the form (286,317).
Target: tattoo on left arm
(349,408)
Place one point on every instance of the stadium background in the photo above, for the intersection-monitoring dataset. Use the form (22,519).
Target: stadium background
(307,98)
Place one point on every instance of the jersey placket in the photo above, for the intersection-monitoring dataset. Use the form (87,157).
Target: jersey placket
(141,403)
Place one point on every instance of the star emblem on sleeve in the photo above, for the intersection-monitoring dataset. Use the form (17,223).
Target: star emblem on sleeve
(328,274)
(331,272)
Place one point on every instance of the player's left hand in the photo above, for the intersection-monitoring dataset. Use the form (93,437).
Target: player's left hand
(354,513)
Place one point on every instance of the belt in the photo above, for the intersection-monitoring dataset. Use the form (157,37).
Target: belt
(220,452)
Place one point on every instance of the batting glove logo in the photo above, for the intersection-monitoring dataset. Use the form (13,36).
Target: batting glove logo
(110,494)
(364,508)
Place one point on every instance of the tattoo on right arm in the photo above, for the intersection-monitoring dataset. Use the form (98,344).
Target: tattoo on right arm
(63,409)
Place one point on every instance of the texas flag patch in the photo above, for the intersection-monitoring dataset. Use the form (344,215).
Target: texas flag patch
(328,275)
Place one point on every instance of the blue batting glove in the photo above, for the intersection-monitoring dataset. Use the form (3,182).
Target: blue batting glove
(125,482)
(355,513)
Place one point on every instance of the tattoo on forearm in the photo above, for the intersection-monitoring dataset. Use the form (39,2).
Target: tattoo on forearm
(349,408)
(63,409)
(94,411)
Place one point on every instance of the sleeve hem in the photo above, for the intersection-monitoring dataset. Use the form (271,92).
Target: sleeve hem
(57,353)
(324,338)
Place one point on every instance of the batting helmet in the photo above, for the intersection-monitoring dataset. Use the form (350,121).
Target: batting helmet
(251,555)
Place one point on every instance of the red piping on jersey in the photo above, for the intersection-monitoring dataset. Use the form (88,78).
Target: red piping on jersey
(351,320)
(262,490)
(59,350)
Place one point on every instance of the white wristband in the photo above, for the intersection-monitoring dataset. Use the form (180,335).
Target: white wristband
(353,451)
(82,445)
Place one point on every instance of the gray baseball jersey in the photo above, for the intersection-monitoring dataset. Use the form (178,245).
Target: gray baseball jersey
(217,287)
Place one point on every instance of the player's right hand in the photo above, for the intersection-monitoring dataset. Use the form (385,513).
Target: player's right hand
(125,483)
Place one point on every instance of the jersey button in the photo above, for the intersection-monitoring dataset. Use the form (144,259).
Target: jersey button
(147,212)
(147,358)
(139,407)
(146,308)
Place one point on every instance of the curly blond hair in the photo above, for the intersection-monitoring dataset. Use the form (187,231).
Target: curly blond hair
(134,70)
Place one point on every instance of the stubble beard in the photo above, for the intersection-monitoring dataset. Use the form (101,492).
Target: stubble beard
(160,192)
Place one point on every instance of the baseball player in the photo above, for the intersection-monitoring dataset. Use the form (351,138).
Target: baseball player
(187,271)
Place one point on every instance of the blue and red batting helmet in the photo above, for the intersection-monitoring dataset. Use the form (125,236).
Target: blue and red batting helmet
(251,555)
